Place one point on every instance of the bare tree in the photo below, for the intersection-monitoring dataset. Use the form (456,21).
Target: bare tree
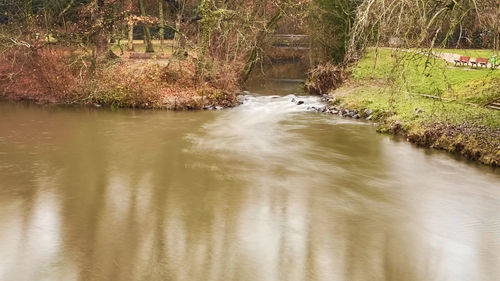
(146,27)
(430,23)
(161,19)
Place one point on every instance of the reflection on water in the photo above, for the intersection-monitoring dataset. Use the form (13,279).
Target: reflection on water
(265,191)
(279,78)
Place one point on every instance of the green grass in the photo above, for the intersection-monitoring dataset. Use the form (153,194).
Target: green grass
(414,109)
(428,101)
(473,132)
(418,74)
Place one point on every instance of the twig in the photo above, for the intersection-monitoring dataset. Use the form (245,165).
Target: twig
(20,43)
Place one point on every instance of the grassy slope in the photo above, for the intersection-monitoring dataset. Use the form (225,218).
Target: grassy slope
(395,90)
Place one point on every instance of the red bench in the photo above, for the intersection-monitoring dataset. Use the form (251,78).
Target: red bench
(480,62)
(462,60)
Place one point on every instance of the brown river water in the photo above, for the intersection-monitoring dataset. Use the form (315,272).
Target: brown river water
(265,191)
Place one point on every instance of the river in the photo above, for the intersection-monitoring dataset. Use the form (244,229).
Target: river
(266,191)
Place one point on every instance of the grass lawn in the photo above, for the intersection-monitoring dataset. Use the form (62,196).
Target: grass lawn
(417,74)
(414,109)
(429,101)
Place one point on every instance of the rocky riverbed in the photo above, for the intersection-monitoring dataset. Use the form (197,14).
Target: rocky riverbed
(333,107)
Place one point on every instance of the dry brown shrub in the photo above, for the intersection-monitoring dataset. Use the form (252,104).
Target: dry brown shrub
(324,78)
(41,75)
(225,77)
(121,85)
(156,84)
(60,75)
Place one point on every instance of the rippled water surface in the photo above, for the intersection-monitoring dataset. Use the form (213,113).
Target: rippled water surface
(265,191)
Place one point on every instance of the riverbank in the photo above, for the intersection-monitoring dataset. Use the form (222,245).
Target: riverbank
(66,76)
(427,101)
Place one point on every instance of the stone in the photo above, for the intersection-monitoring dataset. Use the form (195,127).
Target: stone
(368,112)
(356,116)
(369,118)
(300,102)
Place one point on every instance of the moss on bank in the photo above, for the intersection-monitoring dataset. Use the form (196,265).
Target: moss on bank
(432,104)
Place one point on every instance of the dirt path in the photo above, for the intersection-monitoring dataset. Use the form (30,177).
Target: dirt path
(449,57)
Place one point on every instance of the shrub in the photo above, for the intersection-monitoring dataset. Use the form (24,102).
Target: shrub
(43,75)
(57,74)
(324,78)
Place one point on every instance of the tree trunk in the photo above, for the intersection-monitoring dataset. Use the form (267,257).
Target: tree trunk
(100,36)
(101,44)
(130,43)
(28,7)
(130,23)
(205,36)
(496,43)
(497,31)
(179,40)
(147,31)
(162,21)
(253,59)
